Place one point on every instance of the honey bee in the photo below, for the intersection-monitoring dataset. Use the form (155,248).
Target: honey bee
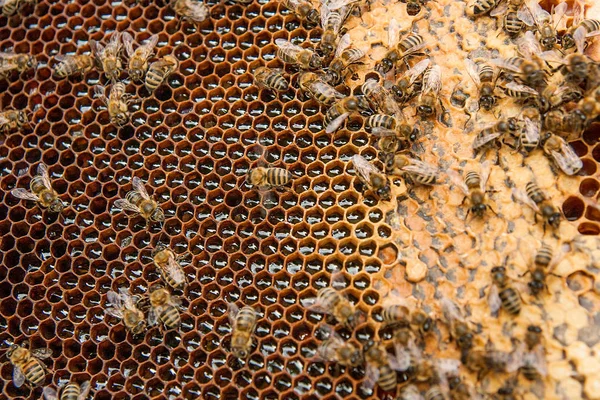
(159,71)
(72,391)
(429,96)
(332,302)
(572,123)
(303,9)
(473,186)
(125,307)
(268,178)
(73,65)
(27,364)
(413,7)
(344,57)
(312,84)
(484,76)
(109,57)
(408,46)
(41,191)
(12,120)
(381,368)
(521,93)
(380,97)
(530,356)
(580,30)
(487,360)
(138,58)
(296,55)
(10,62)
(332,21)
(515,16)
(411,392)
(574,67)
(459,390)
(243,323)
(193,10)
(10,7)
(459,328)
(340,111)
(164,307)
(502,293)
(546,22)
(491,132)
(537,200)
(372,177)
(543,263)
(335,349)
(477,8)
(117,102)
(562,153)
(271,78)
(413,170)
(394,135)
(408,86)
(139,202)
(168,264)
(528,71)
(530,132)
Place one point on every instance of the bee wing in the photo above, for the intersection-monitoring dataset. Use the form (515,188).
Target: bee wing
(60,57)
(173,269)
(501,63)
(100,92)
(42,170)
(285,45)
(558,12)
(417,70)
(578,12)
(316,304)
(114,299)
(420,167)
(153,314)
(336,123)
(128,43)
(3,119)
(528,45)
(521,196)
(393,33)
(322,87)
(450,310)
(516,359)
(84,390)
(494,299)
(482,140)
(458,181)
(537,358)
(371,376)
(486,169)
(382,132)
(50,393)
(138,185)
(325,12)
(521,88)
(42,354)
(149,46)
(18,377)
(567,160)
(473,71)
(343,44)
(579,38)
(447,366)
(539,14)
(434,81)
(335,4)
(500,9)
(232,312)
(113,312)
(401,361)
(531,130)
(97,48)
(552,56)
(364,168)
(21,193)
(126,205)
(525,16)
(115,40)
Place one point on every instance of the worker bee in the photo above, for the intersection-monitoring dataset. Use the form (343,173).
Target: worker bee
(394,135)
(10,62)
(344,57)
(459,390)
(473,186)
(529,138)
(413,7)
(502,293)
(10,7)
(271,78)
(335,349)
(296,55)
(515,16)
(380,98)
(109,57)
(27,364)
(381,368)
(429,96)
(477,8)
(164,307)
(159,71)
(408,86)
(372,177)
(138,58)
(537,200)
(572,123)
(546,22)
(580,30)
(340,111)
(303,9)
(330,301)
(268,178)
(171,271)
(139,202)
(522,93)
(12,120)
(411,392)
(574,67)
(484,76)
(193,10)
(117,102)
(530,356)
(507,391)
(528,71)
(125,307)
(400,50)
(332,21)
(562,153)
(73,65)
(491,132)
(243,323)
(459,328)
(72,391)
(487,360)
(312,84)
(413,170)
(543,264)
(41,191)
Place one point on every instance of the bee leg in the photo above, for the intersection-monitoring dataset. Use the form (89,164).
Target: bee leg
(491,209)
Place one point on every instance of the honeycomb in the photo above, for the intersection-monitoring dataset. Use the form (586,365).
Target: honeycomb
(193,141)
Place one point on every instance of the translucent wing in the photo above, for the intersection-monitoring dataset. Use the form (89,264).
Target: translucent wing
(484,138)
(60,57)
(567,160)
(521,88)
(128,300)
(97,48)
(128,43)
(578,12)
(364,168)
(7,54)
(336,123)
(398,365)
(539,14)
(147,48)
(516,360)
(393,33)
(174,270)
(558,12)
(382,132)
(232,312)
(579,38)
(114,42)
(125,205)
(434,80)
(531,130)
(325,12)
(553,56)
(494,300)
(100,92)
(42,354)
(450,310)
(371,377)
(521,196)
(317,304)
(50,394)
(322,87)
(420,167)
(417,70)
(114,299)
(3,119)
(138,185)
(458,181)
(42,170)
(18,377)
(486,168)
(501,63)
(153,314)
(447,366)
(537,358)
(85,390)
(415,48)
(473,71)
(113,312)
(21,193)
(528,45)
(524,15)
(288,46)
(500,9)
(342,45)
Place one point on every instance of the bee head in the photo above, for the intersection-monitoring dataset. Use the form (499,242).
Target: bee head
(567,41)
(158,215)
(56,206)
(478,209)
(384,66)
(424,110)
(548,42)
(554,220)
(316,62)
(239,352)
(413,8)
(487,102)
